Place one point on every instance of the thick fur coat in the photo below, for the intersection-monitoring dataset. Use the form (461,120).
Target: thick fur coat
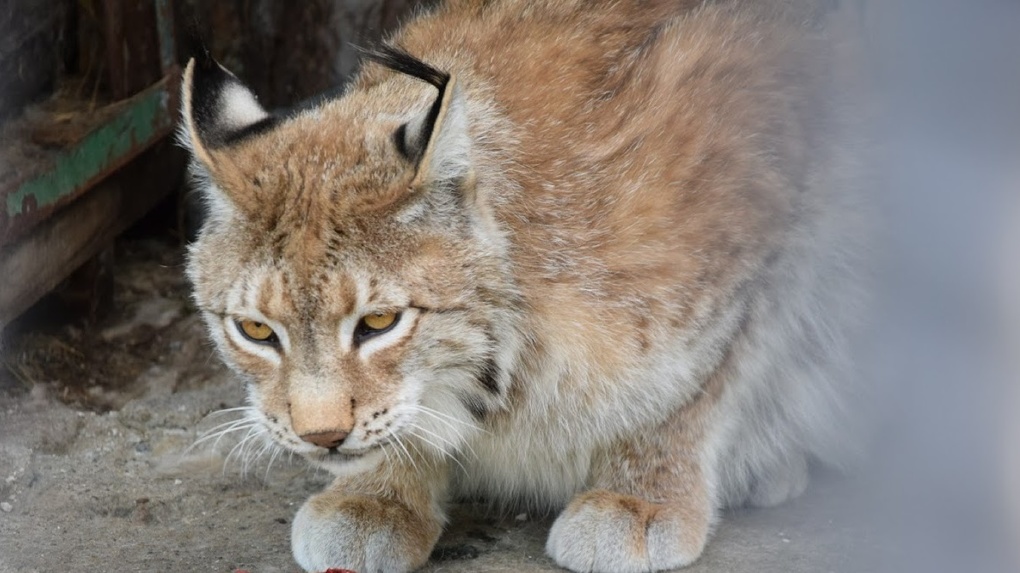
(616,248)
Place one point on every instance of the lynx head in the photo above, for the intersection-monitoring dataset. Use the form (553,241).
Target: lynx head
(349,269)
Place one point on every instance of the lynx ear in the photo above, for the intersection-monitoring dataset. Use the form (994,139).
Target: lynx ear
(437,141)
(217,109)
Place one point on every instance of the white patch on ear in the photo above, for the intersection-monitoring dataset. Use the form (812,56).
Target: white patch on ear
(237,108)
(214,105)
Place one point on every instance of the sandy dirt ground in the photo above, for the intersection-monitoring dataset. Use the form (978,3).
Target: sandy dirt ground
(99,470)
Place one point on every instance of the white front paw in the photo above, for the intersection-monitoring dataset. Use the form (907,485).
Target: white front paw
(364,534)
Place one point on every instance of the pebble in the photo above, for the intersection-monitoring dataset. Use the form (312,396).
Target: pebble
(6,507)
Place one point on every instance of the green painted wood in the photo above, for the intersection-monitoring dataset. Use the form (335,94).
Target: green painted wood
(135,128)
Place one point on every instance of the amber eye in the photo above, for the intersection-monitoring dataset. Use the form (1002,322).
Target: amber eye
(256,331)
(380,320)
(375,323)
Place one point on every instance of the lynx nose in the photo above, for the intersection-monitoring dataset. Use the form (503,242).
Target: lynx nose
(328,440)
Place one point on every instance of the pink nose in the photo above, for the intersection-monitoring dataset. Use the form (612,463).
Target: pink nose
(329,439)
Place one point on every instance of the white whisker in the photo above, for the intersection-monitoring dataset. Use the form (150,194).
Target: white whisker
(432,416)
(254,457)
(237,446)
(450,418)
(442,451)
(242,448)
(222,430)
(226,424)
(228,410)
(452,445)
(272,458)
(216,442)
(424,456)
(400,443)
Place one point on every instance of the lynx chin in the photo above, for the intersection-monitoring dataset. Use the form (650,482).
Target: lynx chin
(603,258)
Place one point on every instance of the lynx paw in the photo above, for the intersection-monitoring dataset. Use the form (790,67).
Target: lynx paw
(365,534)
(602,531)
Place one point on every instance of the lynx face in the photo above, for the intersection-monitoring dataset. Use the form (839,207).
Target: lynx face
(348,282)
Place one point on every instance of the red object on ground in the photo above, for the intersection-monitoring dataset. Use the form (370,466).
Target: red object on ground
(339,571)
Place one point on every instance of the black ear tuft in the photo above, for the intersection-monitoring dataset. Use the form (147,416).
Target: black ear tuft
(219,109)
(399,60)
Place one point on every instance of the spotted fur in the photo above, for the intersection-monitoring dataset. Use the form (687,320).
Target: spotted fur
(625,243)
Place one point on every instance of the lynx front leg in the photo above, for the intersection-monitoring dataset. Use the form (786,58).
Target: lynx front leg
(649,510)
(384,522)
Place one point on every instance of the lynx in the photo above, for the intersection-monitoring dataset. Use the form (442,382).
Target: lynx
(601,258)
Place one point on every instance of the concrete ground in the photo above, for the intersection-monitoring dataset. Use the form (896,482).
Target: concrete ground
(96,473)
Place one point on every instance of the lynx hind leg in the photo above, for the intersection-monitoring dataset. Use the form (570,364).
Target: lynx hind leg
(650,509)
(346,527)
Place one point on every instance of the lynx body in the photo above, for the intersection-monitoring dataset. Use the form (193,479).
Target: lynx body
(597,257)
